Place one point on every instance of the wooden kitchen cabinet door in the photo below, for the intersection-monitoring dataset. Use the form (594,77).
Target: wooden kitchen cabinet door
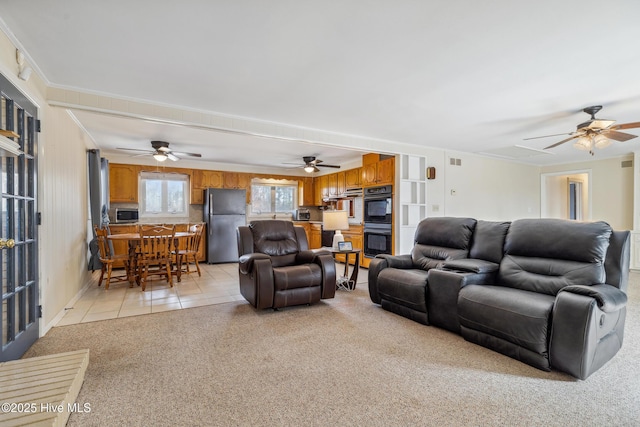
(123,183)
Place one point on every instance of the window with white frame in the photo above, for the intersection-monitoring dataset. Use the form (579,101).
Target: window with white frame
(272,196)
(163,195)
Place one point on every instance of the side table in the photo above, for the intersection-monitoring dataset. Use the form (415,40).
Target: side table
(345,282)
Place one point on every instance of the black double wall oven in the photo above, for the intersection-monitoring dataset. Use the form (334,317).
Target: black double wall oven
(378,210)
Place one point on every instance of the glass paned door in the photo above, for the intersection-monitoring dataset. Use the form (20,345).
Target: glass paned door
(18,225)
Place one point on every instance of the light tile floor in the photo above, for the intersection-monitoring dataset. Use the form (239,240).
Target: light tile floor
(218,284)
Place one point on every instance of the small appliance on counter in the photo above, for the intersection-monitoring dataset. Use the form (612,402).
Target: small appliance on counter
(126,215)
(303,214)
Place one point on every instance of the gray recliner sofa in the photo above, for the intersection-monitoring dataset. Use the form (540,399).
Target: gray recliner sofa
(550,293)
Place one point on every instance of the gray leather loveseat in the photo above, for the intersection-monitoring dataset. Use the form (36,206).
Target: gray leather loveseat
(548,292)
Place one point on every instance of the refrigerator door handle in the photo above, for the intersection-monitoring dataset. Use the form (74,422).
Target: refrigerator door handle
(210,204)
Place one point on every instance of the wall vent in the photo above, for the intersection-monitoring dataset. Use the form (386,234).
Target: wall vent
(626,164)
(455,162)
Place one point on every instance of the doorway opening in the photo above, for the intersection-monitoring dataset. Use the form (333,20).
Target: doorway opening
(566,195)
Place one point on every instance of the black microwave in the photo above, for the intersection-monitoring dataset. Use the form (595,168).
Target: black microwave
(124,215)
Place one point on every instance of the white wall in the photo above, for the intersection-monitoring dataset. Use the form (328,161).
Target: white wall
(611,189)
(490,189)
(62,194)
(63,203)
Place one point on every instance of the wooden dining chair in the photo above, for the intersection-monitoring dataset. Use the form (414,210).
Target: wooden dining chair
(188,255)
(155,250)
(108,258)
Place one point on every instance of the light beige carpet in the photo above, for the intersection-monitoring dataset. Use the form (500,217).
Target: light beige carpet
(341,362)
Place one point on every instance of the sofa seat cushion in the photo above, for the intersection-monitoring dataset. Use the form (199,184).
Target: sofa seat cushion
(404,287)
(297,276)
(513,315)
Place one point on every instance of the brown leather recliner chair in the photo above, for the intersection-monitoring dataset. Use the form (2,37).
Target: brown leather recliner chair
(277,269)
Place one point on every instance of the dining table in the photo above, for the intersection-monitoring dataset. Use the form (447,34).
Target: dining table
(133,239)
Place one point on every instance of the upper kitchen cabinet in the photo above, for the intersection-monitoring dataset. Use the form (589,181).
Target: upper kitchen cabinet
(305,192)
(321,189)
(341,184)
(236,180)
(377,171)
(332,183)
(201,179)
(123,183)
(352,178)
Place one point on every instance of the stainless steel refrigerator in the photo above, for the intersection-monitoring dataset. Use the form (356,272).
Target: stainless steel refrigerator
(224,211)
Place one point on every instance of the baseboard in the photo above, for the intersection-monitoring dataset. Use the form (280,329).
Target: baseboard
(45,328)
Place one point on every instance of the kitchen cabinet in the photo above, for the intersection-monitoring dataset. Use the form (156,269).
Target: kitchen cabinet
(353,235)
(385,172)
(332,185)
(305,192)
(201,179)
(238,181)
(352,178)
(321,189)
(341,184)
(379,173)
(315,235)
(123,183)
(307,229)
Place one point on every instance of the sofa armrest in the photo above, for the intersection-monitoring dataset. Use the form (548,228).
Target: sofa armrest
(397,261)
(608,298)
(245,263)
(379,263)
(328,266)
(471,265)
(587,329)
(443,287)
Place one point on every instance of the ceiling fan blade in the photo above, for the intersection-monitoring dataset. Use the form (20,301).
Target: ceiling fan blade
(626,126)
(329,166)
(547,136)
(171,156)
(180,153)
(562,142)
(136,149)
(618,136)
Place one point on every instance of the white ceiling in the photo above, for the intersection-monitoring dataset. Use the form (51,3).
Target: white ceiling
(460,75)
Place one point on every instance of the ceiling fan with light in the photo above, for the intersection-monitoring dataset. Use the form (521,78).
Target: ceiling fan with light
(594,133)
(161,152)
(311,164)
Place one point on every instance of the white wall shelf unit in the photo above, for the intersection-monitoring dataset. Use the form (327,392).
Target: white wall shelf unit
(413,199)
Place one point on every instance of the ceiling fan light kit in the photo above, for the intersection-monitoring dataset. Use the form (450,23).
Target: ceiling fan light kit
(161,157)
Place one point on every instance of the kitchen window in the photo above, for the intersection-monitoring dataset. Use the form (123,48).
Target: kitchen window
(163,195)
(269,197)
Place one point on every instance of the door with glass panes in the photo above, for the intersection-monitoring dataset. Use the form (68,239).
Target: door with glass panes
(18,225)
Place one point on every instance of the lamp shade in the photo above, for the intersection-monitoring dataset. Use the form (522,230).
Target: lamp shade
(335,220)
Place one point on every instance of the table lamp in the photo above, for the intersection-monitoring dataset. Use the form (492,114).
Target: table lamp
(337,221)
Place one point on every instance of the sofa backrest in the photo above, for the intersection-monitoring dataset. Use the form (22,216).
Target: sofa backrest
(616,264)
(545,255)
(277,239)
(440,239)
(487,242)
